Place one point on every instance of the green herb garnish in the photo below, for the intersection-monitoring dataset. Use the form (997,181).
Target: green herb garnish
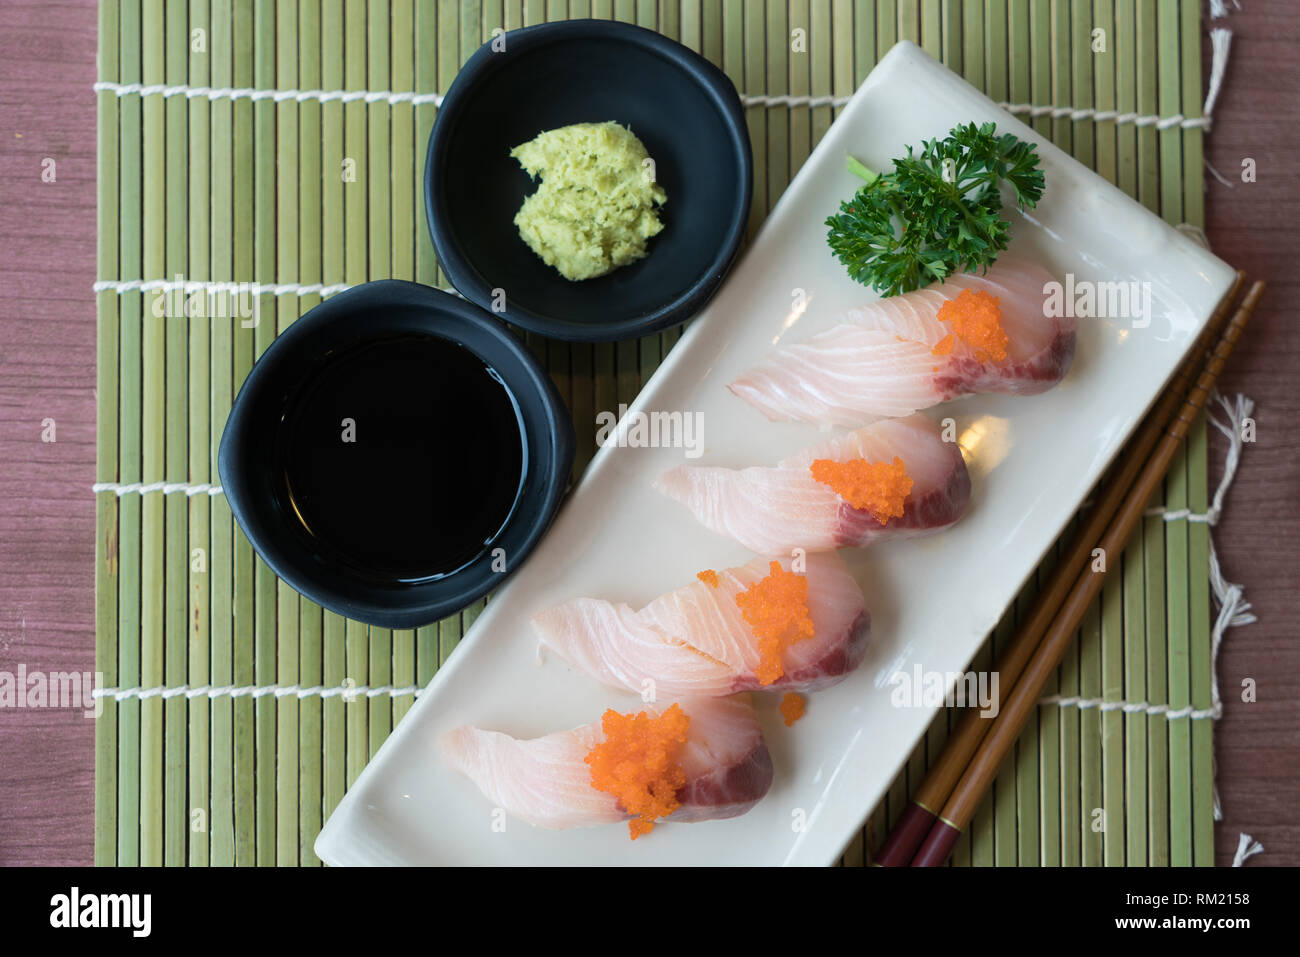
(937,213)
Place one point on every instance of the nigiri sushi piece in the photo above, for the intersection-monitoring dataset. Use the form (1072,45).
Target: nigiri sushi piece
(692,760)
(845,492)
(969,335)
(757,626)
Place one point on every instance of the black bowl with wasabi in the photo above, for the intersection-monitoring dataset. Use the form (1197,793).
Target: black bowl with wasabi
(588,180)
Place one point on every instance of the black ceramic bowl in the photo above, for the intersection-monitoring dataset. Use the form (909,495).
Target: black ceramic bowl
(682,108)
(252,448)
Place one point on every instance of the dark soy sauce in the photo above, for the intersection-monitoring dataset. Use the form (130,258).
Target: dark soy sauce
(424,477)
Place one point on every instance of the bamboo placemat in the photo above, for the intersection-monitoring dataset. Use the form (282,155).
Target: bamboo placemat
(245,711)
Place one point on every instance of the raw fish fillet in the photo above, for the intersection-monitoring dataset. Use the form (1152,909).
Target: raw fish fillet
(695,641)
(775,510)
(547,782)
(880,361)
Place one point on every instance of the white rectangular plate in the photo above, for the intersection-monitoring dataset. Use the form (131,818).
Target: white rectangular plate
(933,601)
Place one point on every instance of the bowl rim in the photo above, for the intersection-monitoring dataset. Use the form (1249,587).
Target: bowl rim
(719,90)
(552,430)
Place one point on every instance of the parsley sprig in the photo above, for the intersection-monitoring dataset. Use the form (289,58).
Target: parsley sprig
(937,213)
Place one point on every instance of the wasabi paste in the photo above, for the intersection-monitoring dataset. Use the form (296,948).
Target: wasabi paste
(595,207)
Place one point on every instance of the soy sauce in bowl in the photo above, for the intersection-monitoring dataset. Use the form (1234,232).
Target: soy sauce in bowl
(401,458)
(395,454)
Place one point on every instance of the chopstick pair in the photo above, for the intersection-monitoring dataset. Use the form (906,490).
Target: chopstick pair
(953,787)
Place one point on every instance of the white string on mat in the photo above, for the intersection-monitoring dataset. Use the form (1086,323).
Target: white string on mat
(1247,846)
(167,488)
(256,691)
(214,287)
(1128,707)
(277,96)
(1220,42)
(190,286)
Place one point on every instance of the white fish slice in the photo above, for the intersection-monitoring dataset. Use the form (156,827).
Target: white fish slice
(775,510)
(880,362)
(695,640)
(547,782)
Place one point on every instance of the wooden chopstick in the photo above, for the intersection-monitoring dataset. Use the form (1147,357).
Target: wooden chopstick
(919,816)
(960,806)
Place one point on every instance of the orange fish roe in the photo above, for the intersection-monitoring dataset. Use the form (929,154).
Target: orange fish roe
(792,708)
(709,577)
(977,320)
(944,346)
(776,610)
(879,487)
(638,764)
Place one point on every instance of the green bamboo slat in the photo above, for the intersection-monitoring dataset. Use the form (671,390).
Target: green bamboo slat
(426,81)
(982,826)
(1062,72)
(221,817)
(951,18)
(245,725)
(1157,681)
(820,82)
(1027,766)
(932,27)
(1125,44)
(154,397)
(405,239)
(1112,722)
(266,589)
(107,396)
(974,44)
(885,37)
(285,710)
(199,554)
(996,42)
(1094,821)
(333,230)
(175,329)
(1104,76)
(1006,851)
(1176,488)
(774,77)
(310,664)
(130,509)
(1147,103)
(1081,71)
(907,20)
(357,643)
(1198,475)
(1135,689)
(1040,42)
